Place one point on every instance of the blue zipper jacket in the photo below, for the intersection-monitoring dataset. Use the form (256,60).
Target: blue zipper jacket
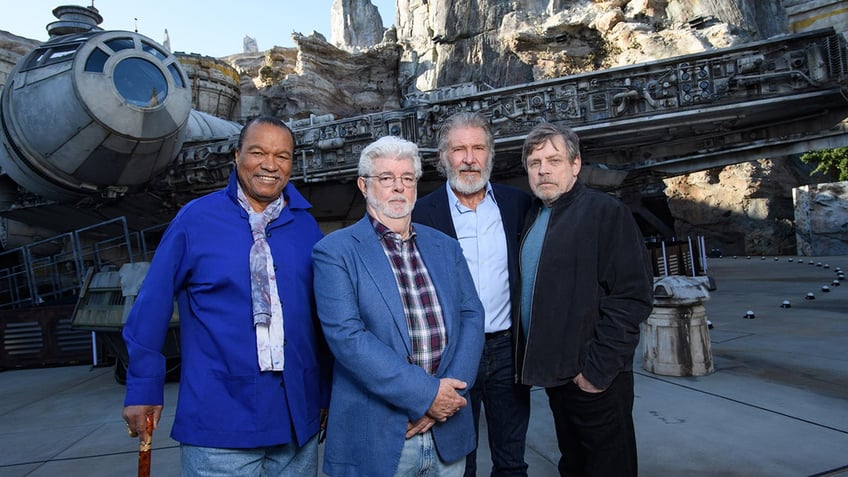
(202,260)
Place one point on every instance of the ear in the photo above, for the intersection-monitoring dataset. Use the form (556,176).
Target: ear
(576,164)
(360,183)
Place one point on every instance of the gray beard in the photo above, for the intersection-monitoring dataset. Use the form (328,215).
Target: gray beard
(463,187)
(388,211)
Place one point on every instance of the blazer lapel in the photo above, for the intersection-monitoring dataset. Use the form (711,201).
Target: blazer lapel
(438,209)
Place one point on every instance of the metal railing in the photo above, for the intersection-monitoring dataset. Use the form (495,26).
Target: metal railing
(53,269)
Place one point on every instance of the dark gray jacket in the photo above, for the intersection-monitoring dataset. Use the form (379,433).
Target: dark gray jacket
(592,290)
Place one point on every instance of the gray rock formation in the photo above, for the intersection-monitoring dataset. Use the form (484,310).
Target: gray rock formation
(329,80)
(758,18)
(250,45)
(821,219)
(355,24)
(259,72)
(450,42)
(744,209)
(501,42)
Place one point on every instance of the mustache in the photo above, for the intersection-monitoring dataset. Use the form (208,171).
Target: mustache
(469,169)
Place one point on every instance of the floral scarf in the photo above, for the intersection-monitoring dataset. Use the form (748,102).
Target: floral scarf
(267,309)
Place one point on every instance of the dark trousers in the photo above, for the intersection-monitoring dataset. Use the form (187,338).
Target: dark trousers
(595,431)
(507,408)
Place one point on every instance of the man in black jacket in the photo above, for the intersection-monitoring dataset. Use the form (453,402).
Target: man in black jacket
(486,219)
(586,286)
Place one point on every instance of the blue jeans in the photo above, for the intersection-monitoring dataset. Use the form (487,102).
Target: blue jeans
(507,407)
(420,459)
(286,460)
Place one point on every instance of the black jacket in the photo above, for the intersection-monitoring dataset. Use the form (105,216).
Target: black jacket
(592,290)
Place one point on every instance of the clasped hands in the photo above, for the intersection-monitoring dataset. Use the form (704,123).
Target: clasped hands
(447,403)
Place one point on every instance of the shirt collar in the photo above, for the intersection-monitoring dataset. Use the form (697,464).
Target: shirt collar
(457,205)
(386,233)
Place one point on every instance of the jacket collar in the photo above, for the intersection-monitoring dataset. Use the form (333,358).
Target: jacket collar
(569,197)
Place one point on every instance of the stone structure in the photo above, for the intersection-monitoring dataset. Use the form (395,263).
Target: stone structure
(821,219)
(215,85)
(676,337)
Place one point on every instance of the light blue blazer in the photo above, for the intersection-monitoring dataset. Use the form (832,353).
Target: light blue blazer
(376,390)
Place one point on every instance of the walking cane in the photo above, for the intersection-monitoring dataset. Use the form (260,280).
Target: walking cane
(144,449)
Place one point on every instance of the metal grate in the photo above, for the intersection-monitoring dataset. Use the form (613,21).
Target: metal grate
(23,338)
(836,57)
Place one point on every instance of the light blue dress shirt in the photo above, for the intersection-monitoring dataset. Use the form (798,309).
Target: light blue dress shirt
(481,235)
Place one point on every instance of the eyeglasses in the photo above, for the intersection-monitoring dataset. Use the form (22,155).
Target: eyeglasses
(389,180)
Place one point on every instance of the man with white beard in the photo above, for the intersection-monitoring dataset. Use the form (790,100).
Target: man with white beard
(400,314)
(487,220)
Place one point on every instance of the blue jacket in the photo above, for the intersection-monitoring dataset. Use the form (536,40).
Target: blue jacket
(376,391)
(202,260)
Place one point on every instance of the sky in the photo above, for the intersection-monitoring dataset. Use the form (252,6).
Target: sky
(212,27)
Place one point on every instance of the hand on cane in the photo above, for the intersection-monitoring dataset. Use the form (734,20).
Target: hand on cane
(136,419)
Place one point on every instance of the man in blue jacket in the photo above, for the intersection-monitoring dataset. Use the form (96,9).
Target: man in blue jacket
(487,219)
(401,316)
(255,368)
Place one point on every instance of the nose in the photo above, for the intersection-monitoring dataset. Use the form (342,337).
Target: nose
(269,163)
(468,156)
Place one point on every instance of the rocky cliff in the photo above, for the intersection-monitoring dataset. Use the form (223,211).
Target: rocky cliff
(367,68)
(493,42)
(821,219)
(745,209)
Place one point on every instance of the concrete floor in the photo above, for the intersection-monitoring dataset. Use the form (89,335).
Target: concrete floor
(776,405)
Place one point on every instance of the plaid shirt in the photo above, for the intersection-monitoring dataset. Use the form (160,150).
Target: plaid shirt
(424,316)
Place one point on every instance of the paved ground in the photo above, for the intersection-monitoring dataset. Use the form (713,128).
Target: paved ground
(776,405)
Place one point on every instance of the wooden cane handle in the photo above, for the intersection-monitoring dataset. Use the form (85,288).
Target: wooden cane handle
(144,447)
